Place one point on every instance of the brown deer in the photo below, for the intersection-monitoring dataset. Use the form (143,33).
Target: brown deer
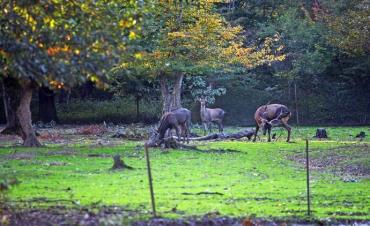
(179,120)
(211,115)
(270,115)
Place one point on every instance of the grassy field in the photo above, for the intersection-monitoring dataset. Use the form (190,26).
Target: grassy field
(234,178)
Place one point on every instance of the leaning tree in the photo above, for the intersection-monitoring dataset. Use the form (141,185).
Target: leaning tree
(57,44)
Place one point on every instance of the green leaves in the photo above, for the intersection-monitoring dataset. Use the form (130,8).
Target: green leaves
(64,41)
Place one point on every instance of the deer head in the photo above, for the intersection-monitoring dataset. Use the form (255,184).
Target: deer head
(202,102)
(265,124)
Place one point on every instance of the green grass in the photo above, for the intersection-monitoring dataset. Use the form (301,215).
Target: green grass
(255,179)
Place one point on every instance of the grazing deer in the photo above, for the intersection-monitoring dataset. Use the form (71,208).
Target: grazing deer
(270,115)
(178,119)
(209,115)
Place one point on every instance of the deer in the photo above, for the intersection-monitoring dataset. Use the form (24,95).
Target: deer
(179,120)
(211,115)
(270,115)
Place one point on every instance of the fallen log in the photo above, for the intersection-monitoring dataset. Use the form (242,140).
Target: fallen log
(224,136)
(172,141)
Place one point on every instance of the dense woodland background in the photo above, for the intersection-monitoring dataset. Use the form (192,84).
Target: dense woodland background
(325,74)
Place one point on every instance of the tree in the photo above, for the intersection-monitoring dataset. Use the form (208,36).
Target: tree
(61,43)
(305,46)
(350,28)
(195,40)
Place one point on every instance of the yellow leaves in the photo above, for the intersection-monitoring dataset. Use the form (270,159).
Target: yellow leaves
(52,23)
(138,56)
(127,23)
(56,84)
(58,49)
(85,7)
(280,48)
(24,13)
(93,78)
(77,51)
(176,34)
(123,24)
(98,83)
(132,35)
(49,21)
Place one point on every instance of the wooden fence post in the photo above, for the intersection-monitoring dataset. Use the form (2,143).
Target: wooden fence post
(308,180)
(150,179)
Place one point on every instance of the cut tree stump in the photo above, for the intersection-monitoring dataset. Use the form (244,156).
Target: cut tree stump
(321,133)
(119,164)
(361,135)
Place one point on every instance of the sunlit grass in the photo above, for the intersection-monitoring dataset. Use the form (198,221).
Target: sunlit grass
(237,178)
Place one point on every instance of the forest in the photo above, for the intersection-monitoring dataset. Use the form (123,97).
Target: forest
(89,84)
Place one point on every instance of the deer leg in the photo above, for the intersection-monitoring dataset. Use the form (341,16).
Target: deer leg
(184,132)
(205,128)
(269,134)
(177,133)
(220,127)
(289,129)
(210,127)
(255,133)
(187,133)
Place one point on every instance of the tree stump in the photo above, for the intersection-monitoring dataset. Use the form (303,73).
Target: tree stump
(119,164)
(321,133)
(361,135)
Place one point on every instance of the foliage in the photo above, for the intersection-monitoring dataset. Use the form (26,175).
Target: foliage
(304,42)
(196,40)
(199,88)
(350,28)
(61,43)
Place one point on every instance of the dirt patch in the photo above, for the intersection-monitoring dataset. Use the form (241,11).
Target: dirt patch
(349,160)
(119,216)
(63,216)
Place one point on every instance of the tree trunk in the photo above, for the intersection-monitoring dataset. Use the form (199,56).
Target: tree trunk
(47,110)
(176,100)
(166,97)
(24,116)
(10,98)
(137,100)
(171,99)
(296,103)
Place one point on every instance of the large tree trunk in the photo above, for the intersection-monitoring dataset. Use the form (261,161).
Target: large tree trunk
(176,100)
(10,96)
(171,97)
(47,110)
(166,97)
(24,116)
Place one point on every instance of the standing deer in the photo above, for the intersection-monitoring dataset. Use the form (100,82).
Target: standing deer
(178,119)
(209,115)
(270,115)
